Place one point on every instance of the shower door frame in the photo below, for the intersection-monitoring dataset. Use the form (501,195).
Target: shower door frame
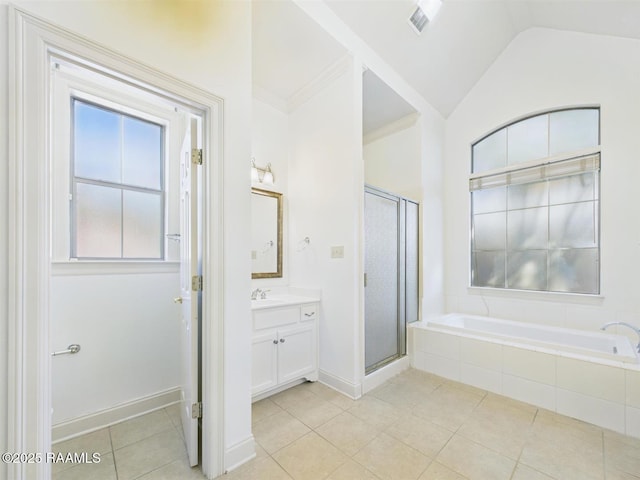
(400,280)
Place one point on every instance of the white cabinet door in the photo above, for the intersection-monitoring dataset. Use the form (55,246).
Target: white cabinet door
(296,352)
(264,362)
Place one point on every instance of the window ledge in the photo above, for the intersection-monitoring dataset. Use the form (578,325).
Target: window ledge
(577,298)
(81,267)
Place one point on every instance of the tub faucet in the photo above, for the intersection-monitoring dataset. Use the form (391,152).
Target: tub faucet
(624,324)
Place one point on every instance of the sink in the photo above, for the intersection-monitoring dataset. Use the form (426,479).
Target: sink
(281,301)
(266,302)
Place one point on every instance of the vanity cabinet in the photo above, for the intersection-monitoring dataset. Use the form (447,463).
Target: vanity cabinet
(284,346)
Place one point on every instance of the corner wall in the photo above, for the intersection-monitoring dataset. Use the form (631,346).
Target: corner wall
(394,162)
(547,69)
(326,181)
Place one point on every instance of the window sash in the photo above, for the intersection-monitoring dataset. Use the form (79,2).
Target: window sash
(122,188)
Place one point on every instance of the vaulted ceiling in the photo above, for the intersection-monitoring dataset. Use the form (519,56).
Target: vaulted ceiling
(444,62)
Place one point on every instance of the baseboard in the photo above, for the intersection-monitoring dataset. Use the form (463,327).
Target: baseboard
(239,454)
(377,378)
(350,389)
(110,416)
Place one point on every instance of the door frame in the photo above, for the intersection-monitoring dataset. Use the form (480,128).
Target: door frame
(31,40)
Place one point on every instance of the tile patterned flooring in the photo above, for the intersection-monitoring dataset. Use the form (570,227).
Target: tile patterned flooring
(416,426)
(150,447)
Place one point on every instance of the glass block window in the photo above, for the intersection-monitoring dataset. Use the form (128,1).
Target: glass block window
(117,197)
(535,204)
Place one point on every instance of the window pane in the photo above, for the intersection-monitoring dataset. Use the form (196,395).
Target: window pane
(97,221)
(491,152)
(574,271)
(527,270)
(142,153)
(96,137)
(490,200)
(142,225)
(489,231)
(575,188)
(488,269)
(573,130)
(528,140)
(573,225)
(528,195)
(527,229)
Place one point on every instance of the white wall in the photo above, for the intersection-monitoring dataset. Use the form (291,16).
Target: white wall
(4,211)
(129,331)
(546,69)
(270,144)
(326,183)
(208,45)
(394,162)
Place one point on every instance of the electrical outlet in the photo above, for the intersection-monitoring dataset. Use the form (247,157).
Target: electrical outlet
(337,252)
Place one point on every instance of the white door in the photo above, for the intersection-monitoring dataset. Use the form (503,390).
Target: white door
(296,352)
(189,268)
(264,352)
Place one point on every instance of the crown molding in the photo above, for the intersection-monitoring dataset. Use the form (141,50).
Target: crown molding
(390,128)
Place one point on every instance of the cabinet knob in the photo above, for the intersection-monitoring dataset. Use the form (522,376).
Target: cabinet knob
(282,340)
(275,342)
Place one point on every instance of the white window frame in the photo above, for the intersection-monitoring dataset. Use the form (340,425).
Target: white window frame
(502,175)
(70,81)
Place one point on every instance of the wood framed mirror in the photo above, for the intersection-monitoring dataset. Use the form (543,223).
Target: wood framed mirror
(266,234)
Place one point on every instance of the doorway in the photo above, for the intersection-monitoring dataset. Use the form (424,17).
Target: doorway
(392,153)
(32,242)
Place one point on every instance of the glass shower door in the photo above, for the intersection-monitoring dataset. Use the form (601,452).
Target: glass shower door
(382,342)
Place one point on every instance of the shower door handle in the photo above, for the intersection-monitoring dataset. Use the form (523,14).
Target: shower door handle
(73,348)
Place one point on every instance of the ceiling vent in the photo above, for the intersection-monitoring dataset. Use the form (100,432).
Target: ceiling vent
(424,13)
(418,20)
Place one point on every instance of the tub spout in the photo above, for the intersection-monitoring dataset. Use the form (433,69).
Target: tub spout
(624,324)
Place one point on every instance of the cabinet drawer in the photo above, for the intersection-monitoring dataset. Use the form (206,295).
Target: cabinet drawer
(308,313)
(269,318)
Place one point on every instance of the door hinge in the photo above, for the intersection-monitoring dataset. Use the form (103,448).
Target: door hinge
(196,283)
(196,156)
(196,410)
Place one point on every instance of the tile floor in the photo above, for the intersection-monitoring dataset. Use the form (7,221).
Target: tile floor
(150,447)
(414,427)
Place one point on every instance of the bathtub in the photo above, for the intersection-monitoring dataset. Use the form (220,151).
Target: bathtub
(587,343)
(589,375)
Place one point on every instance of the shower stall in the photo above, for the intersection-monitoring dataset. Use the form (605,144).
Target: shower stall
(391,239)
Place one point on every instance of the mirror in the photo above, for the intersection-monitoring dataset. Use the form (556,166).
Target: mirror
(266,234)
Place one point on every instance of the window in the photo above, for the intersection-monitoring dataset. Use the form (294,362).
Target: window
(117,185)
(535,202)
(116,152)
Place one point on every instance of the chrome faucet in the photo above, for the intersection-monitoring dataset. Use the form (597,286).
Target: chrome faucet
(255,293)
(624,324)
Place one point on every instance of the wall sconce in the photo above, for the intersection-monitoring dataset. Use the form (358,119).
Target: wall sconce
(261,175)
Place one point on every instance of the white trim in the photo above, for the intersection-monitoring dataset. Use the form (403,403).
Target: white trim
(394,127)
(113,268)
(311,89)
(29,362)
(110,416)
(377,378)
(269,98)
(240,453)
(349,389)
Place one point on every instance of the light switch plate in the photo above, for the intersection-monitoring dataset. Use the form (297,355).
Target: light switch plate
(337,252)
